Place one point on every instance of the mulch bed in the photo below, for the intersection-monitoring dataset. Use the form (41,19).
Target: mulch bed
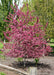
(45,65)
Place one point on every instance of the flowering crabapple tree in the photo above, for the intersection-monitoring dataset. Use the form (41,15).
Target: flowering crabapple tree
(25,35)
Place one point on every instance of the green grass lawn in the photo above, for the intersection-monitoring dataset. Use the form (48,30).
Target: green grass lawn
(1,55)
(52,45)
(1,45)
(52,40)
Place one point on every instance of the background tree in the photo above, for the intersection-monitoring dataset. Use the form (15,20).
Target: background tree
(4,11)
(45,10)
(5,8)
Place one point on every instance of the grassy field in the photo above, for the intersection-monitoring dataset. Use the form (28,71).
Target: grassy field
(52,41)
(1,45)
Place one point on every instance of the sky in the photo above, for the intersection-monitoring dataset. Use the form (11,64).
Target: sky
(20,5)
(0,1)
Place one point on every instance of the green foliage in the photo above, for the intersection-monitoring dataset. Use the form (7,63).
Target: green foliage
(1,45)
(2,73)
(5,8)
(1,52)
(52,46)
(19,59)
(52,40)
(2,56)
(52,52)
(36,60)
(4,11)
(45,10)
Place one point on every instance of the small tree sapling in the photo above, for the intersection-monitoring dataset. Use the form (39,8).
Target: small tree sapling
(25,40)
